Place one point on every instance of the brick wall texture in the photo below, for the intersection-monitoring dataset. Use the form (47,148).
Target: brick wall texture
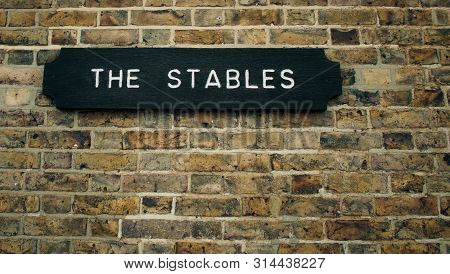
(369,175)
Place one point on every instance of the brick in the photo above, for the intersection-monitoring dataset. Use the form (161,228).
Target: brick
(428,96)
(419,17)
(253,2)
(25,4)
(20,57)
(105,161)
(399,162)
(204,37)
(308,229)
(100,247)
(162,139)
(257,206)
(362,249)
(107,119)
(219,119)
(391,3)
(161,18)
(59,139)
(9,226)
(353,56)
(104,183)
(26,37)
(358,98)
(393,56)
(443,161)
(12,138)
(345,230)
(254,162)
(302,140)
(434,3)
(57,117)
(22,19)
(157,205)
(114,18)
(445,206)
(409,75)
(56,181)
(56,204)
(344,140)
(344,37)
(158,3)
(205,140)
(207,18)
(389,17)
(21,76)
(438,37)
(307,184)
(256,248)
(11,180)
(16,159)
(406,247)
(391,36)
(206,162)
(255,184)
(54,247)
(441,17)
(376,76)
(347,17)
(422,229)
(310,248)
(444,56)
(396,98)
(300,17)
(409,183)
(153,37)
(300,162)
(299,36)
(18,246)
(170,229)
(216,207)
(437,183)
(205,3)
(441,75)
(46,56)
(113,3)
(104,227)
(95,205)
(116,37)
(357,206)
(206,248)
(408,118)
(309,207)
(253,140)
(64,37)
(10,203)
(249,17)
(3,18)
(156,161)
(107,140)
(356,183)
(423,56)
(406,205)
(398,140)
(351,161)
(299,2)
(351,118)
(252,37)
(158,248)
(207,184)
(348,76)
(254,230)
(69,3)
(67,18)
(429,140)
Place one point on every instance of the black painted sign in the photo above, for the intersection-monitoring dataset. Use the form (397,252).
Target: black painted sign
(182,78)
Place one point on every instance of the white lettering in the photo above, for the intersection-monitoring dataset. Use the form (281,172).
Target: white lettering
(193,72)
(216,82)
(267,78)
(234,78)
(171,77)
(289,79)
(97,76)
(115,78)
(132,78)
(247,81)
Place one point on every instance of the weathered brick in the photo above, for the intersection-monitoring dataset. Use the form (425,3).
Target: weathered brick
(345,230)
(256,230)
(310,248)
(400,162)
(158,248)
(344,36)
(11,180)
(357,206)
(205,140)
(307,184)
(64,37)
(423,56)
(351,118)
(105,161)
(158,3)
(52,226)
(391,3)
(445,206)
(155,183)
(299,36)
(56,204)
(56,181)
(438,37)
(95,205)
(12,138)
(214,119)
(59,139)
(57,160)
(22,19)
(104,183)
(21,76)
(302,140)
(18,246)
(376,76)
(386,36)
(248,17)
(404,182)
(205,3)
(257,206)
(54,247)
(253,2)
(353,56)
(362,249)
(156,161)
(27,37)
(427,140)
(206,162)
(9,226)
(393,56)
(205,37)
(254,162)
(300,17)
(67,18)
(161,139)
(107,119)
(310,207)
(10,203)
(356,183)
(3,18)
(410,75)
(444,57)
(25,4)
(352,161)
(46,56)
(69,3)
(359,97)
(114,18)
(396,98)
(348,76)
(99,247)
(157,205)
(398,140)
(153,37)
(116,37)
(437,183)
(20,57)
(215,207)
(406,205)
(302,161)
(252,36)
(408,118)
(256,184)
(113,3)
(347,17)
(104,227)
(170,229)
(206,248)
(308,229)
(16,159)
(441,75)
(107,140)
(57,117)
(161,18)
(207,18)
(419,17)
(406,247)
(391,16)
(428,96)
(422,229)
(258,248)
(344,140)
(443,161)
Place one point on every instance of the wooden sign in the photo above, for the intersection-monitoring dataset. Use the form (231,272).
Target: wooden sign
(195,79)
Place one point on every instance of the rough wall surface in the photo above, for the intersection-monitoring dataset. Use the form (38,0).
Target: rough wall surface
(369,175)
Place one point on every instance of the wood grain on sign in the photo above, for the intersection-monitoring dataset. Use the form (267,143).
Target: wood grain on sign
(181,78)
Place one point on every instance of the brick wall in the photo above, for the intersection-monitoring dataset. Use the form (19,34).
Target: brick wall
(369,175)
